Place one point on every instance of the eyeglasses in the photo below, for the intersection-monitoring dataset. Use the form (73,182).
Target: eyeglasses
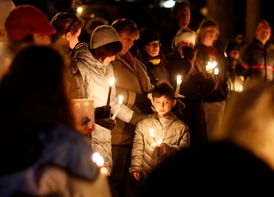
(154,45)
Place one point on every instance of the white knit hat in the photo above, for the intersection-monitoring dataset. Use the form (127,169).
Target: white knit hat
(185,34)
(102,35)
(5,8)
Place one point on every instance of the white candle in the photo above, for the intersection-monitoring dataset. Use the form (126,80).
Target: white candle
(118,108)
(179,81)
(111,82)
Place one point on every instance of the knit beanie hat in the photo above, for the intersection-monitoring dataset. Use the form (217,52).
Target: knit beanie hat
(6,6)
(25,20)
(185,34)
(232,45)
(147,35)
(263,24)
(102,35)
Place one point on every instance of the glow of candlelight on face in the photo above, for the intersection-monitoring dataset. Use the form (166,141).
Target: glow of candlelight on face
(118,108)
(111,82)
(98,159)
(179,81)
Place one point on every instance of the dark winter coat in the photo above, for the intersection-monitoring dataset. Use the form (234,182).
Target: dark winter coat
(258,59)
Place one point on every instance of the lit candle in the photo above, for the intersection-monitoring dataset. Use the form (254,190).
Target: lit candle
(216,71)
(151,133)
(210,66)
(156,142)
(159,141)
(179,81)
(98,159)
(118,108)
(111,82)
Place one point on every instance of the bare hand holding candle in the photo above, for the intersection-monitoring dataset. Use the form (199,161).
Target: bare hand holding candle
(179,81)
(111,82)
(118,108)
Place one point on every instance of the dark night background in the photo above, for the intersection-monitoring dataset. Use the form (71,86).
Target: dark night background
(148,13)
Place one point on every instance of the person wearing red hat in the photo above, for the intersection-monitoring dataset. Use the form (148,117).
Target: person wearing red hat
(257,57)
(28,23)
(6,6)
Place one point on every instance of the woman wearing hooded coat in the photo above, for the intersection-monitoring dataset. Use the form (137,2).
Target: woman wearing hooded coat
(94,62)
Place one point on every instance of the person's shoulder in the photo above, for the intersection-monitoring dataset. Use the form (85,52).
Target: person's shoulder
(66,147)
(79,49)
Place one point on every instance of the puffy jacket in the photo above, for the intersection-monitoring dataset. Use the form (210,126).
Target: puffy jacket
(174,134)
(96,79)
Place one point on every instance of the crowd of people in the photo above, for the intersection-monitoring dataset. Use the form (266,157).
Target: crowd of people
(185,114)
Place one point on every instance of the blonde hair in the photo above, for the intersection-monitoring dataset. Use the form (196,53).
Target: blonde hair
(204,24)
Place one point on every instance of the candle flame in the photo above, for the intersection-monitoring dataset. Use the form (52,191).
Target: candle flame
(159,141)
(179,79)
(211,65)
(111,81)
(98,159)
(216,71)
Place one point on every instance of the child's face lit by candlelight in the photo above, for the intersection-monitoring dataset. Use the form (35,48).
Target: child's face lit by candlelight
(163,105)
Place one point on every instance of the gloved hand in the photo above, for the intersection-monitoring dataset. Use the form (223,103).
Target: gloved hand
(108,123)
(143,103)
(102,112)
(189,53)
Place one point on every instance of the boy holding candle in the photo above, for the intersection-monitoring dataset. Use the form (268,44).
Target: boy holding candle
(159,136)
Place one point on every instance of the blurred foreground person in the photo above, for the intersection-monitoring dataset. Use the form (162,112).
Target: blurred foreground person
(239,162)
(27,23)
(6,6)
(24,24)
(43,153)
